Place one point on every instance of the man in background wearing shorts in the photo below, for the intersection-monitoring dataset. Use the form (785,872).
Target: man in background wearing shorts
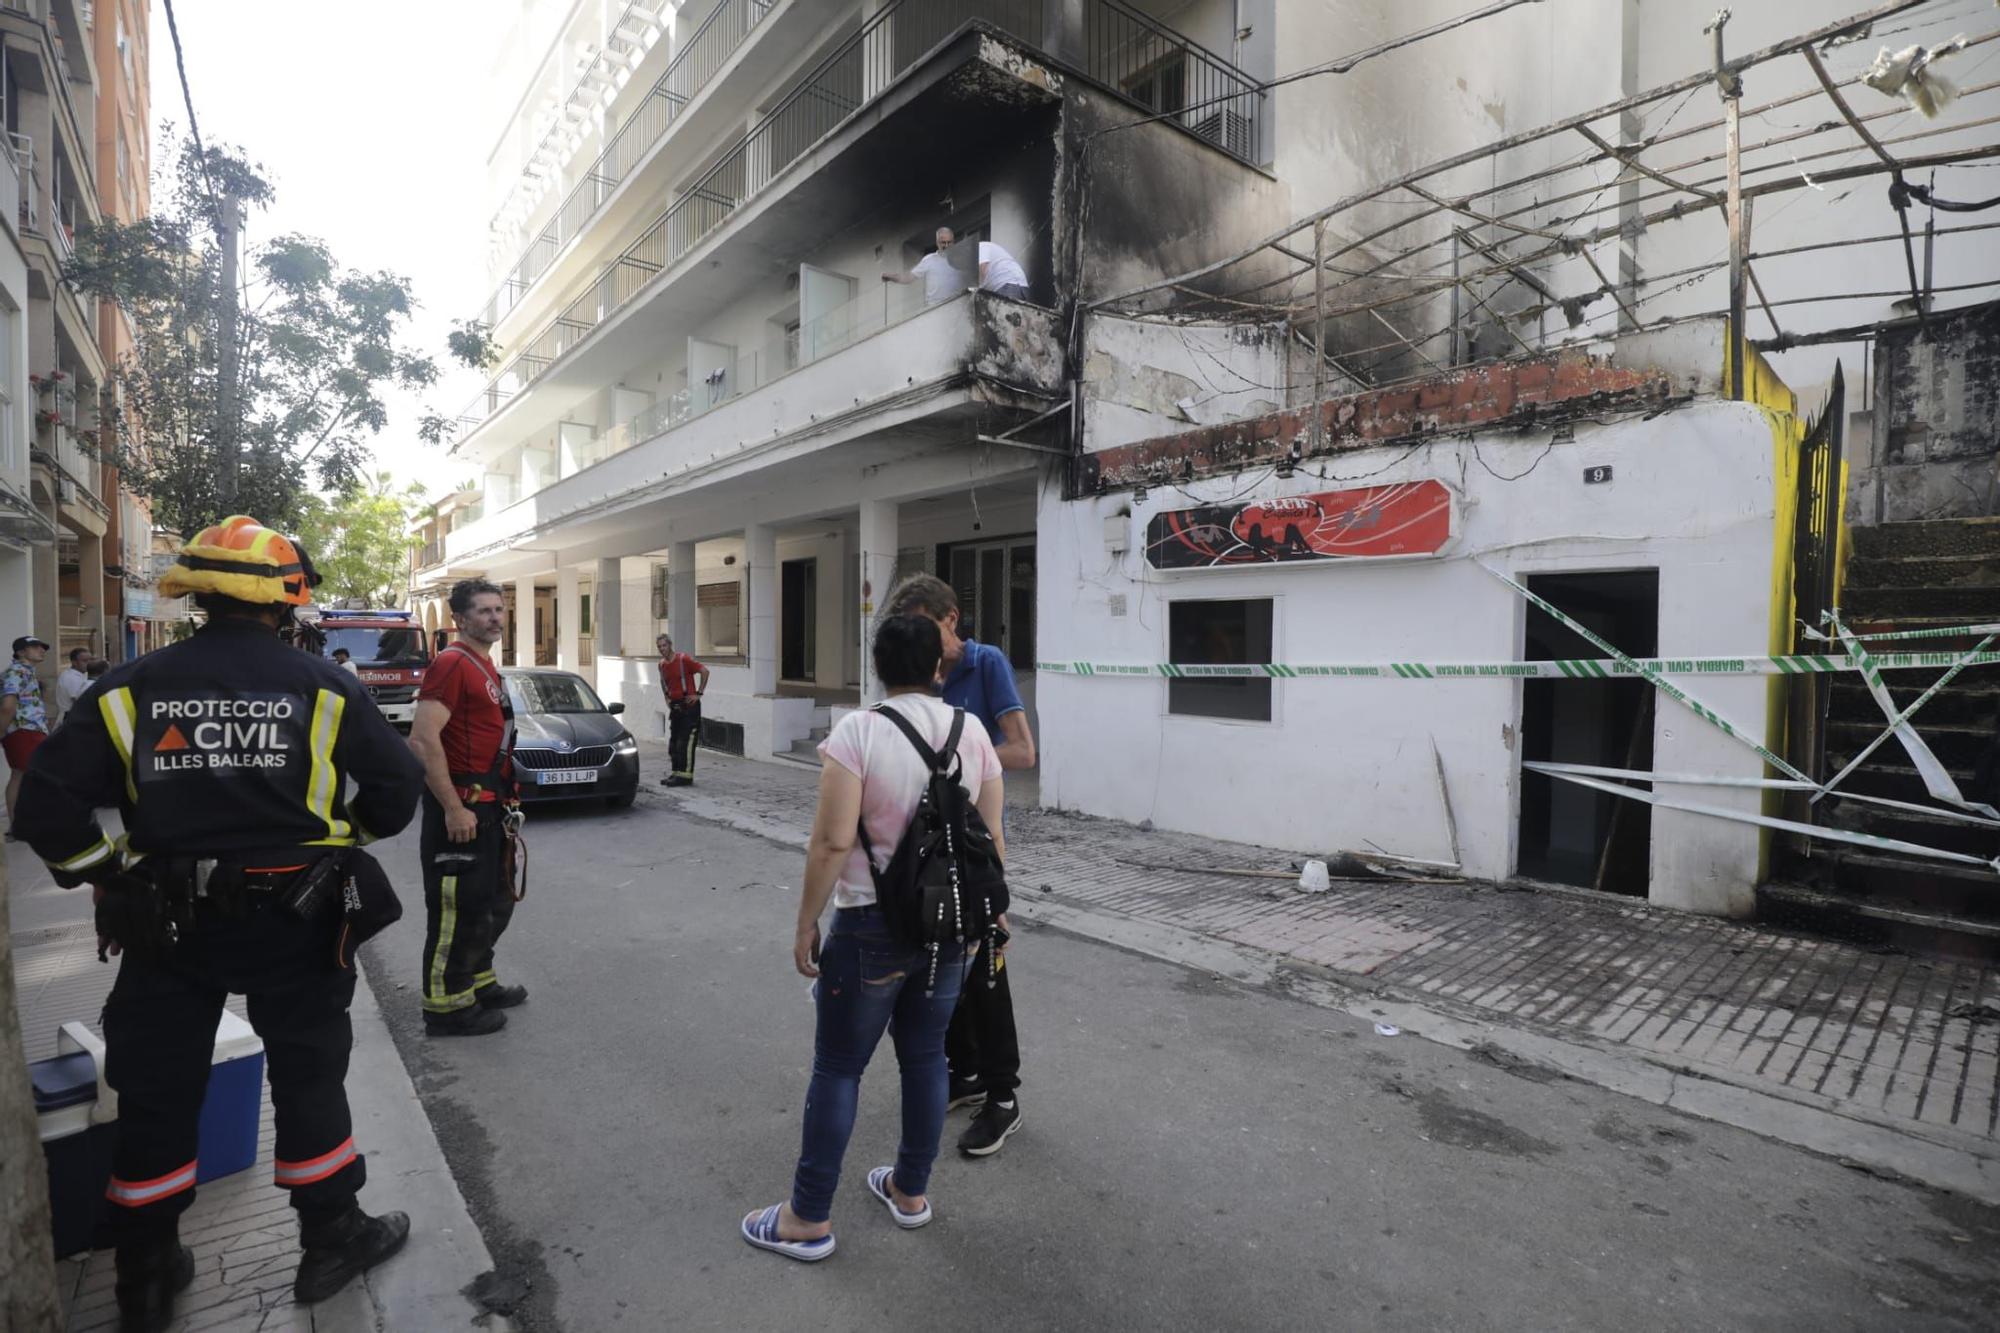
(24,716)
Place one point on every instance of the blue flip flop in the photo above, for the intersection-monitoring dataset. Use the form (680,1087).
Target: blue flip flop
(878,1185)
(761,1229)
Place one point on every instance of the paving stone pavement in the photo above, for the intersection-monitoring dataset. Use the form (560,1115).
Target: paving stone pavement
(1881,1037)
(241,1227)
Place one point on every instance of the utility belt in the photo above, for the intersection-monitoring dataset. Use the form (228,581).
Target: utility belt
(485,788)
(152,907)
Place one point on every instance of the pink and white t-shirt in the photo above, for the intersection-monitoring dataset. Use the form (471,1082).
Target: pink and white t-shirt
(893,776)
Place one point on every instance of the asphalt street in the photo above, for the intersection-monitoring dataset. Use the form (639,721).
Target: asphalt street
(1195,1154)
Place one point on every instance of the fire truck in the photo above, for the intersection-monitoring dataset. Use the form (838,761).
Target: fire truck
(388,648)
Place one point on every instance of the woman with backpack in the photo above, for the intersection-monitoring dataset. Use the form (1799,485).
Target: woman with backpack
(877,800)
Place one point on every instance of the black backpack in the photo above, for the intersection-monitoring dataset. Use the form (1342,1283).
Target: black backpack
(944,883)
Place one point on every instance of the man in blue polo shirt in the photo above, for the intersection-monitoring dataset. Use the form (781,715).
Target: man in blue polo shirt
(981,1045)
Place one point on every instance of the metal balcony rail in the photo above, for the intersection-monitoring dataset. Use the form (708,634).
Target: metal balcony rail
(22,149)
(1170,75)
(697,61)
(863,317)
(1126,46)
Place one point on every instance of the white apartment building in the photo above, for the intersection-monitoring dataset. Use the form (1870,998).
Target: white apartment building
(712,414)
(23,527)
(48,107)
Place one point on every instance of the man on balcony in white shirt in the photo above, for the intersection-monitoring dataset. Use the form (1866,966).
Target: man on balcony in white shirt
(941,279)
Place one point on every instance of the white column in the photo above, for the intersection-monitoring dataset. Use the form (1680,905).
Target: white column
(607,608)
(878,567)
(681,597)
(760,546)
(524,624)
(91,596)
(569,618)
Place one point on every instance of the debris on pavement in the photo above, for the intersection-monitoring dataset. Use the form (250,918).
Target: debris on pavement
(1506,1061)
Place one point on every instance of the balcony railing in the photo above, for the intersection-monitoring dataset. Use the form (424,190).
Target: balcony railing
(697,61)
(865,316)
(22,149)
(1127,48)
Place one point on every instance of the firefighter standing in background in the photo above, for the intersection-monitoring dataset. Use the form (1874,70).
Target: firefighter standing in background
(463,733)
(684,681)
(230,756)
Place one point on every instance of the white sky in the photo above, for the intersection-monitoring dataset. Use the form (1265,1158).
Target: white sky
(368,117)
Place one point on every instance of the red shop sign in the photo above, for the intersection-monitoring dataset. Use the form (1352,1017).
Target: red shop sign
(1366,523)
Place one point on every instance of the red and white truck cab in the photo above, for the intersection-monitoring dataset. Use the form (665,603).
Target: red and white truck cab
(389,650)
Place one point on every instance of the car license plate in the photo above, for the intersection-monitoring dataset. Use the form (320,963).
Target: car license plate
(558,776)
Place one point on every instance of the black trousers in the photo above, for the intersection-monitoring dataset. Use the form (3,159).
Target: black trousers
(468,903)
(683,736)
(159,1033)
(981,1042)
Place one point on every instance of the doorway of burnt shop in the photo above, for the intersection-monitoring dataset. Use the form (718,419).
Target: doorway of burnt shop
(1571,834)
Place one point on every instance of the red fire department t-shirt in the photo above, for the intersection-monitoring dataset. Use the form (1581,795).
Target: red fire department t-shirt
(677,676)
(470,687)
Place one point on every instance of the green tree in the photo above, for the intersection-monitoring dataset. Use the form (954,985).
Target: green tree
(359,539)
(318,347)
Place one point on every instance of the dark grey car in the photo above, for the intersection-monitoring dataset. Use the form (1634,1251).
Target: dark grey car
(568,745)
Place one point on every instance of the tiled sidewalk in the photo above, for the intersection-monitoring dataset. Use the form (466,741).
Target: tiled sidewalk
(1879,1037)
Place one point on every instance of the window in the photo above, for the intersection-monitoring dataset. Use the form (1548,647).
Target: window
(718,619)
(1162,87)
(1213,633)
(551,693)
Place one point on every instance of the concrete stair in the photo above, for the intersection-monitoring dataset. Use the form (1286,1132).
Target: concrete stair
(1907,576)
(805,750)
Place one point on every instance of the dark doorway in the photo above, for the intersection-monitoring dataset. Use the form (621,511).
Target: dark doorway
(798,620)
(1571,834)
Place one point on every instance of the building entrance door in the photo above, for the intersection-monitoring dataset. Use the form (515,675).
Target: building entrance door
(995,585)
(798,620)
(1571,834)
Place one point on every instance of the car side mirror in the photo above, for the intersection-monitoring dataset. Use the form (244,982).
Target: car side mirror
(614,708)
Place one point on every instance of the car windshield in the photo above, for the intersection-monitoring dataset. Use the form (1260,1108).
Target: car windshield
(552,694)
(368,646)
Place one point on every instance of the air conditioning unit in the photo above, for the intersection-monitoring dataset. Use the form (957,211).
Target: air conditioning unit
(1233,133)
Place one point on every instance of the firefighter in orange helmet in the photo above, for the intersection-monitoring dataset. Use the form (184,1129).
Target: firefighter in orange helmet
(229,756)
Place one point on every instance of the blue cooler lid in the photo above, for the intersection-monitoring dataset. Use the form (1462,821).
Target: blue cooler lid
(63,1080)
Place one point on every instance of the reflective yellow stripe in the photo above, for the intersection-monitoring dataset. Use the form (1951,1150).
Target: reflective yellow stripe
(98,851)
(116,706)
(324,784)
(436,1000)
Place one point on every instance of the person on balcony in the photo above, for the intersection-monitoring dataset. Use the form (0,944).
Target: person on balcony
(1000,273)
(941,278)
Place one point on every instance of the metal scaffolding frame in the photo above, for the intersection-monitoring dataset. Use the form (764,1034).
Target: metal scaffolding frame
(1466,259)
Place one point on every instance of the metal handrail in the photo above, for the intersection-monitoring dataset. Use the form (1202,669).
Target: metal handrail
(697,61)
(891,42)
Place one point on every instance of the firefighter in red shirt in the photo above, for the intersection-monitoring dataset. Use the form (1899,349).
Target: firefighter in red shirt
(464,734)
(684,680)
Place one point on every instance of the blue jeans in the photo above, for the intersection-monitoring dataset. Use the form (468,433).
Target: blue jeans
(868,981)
